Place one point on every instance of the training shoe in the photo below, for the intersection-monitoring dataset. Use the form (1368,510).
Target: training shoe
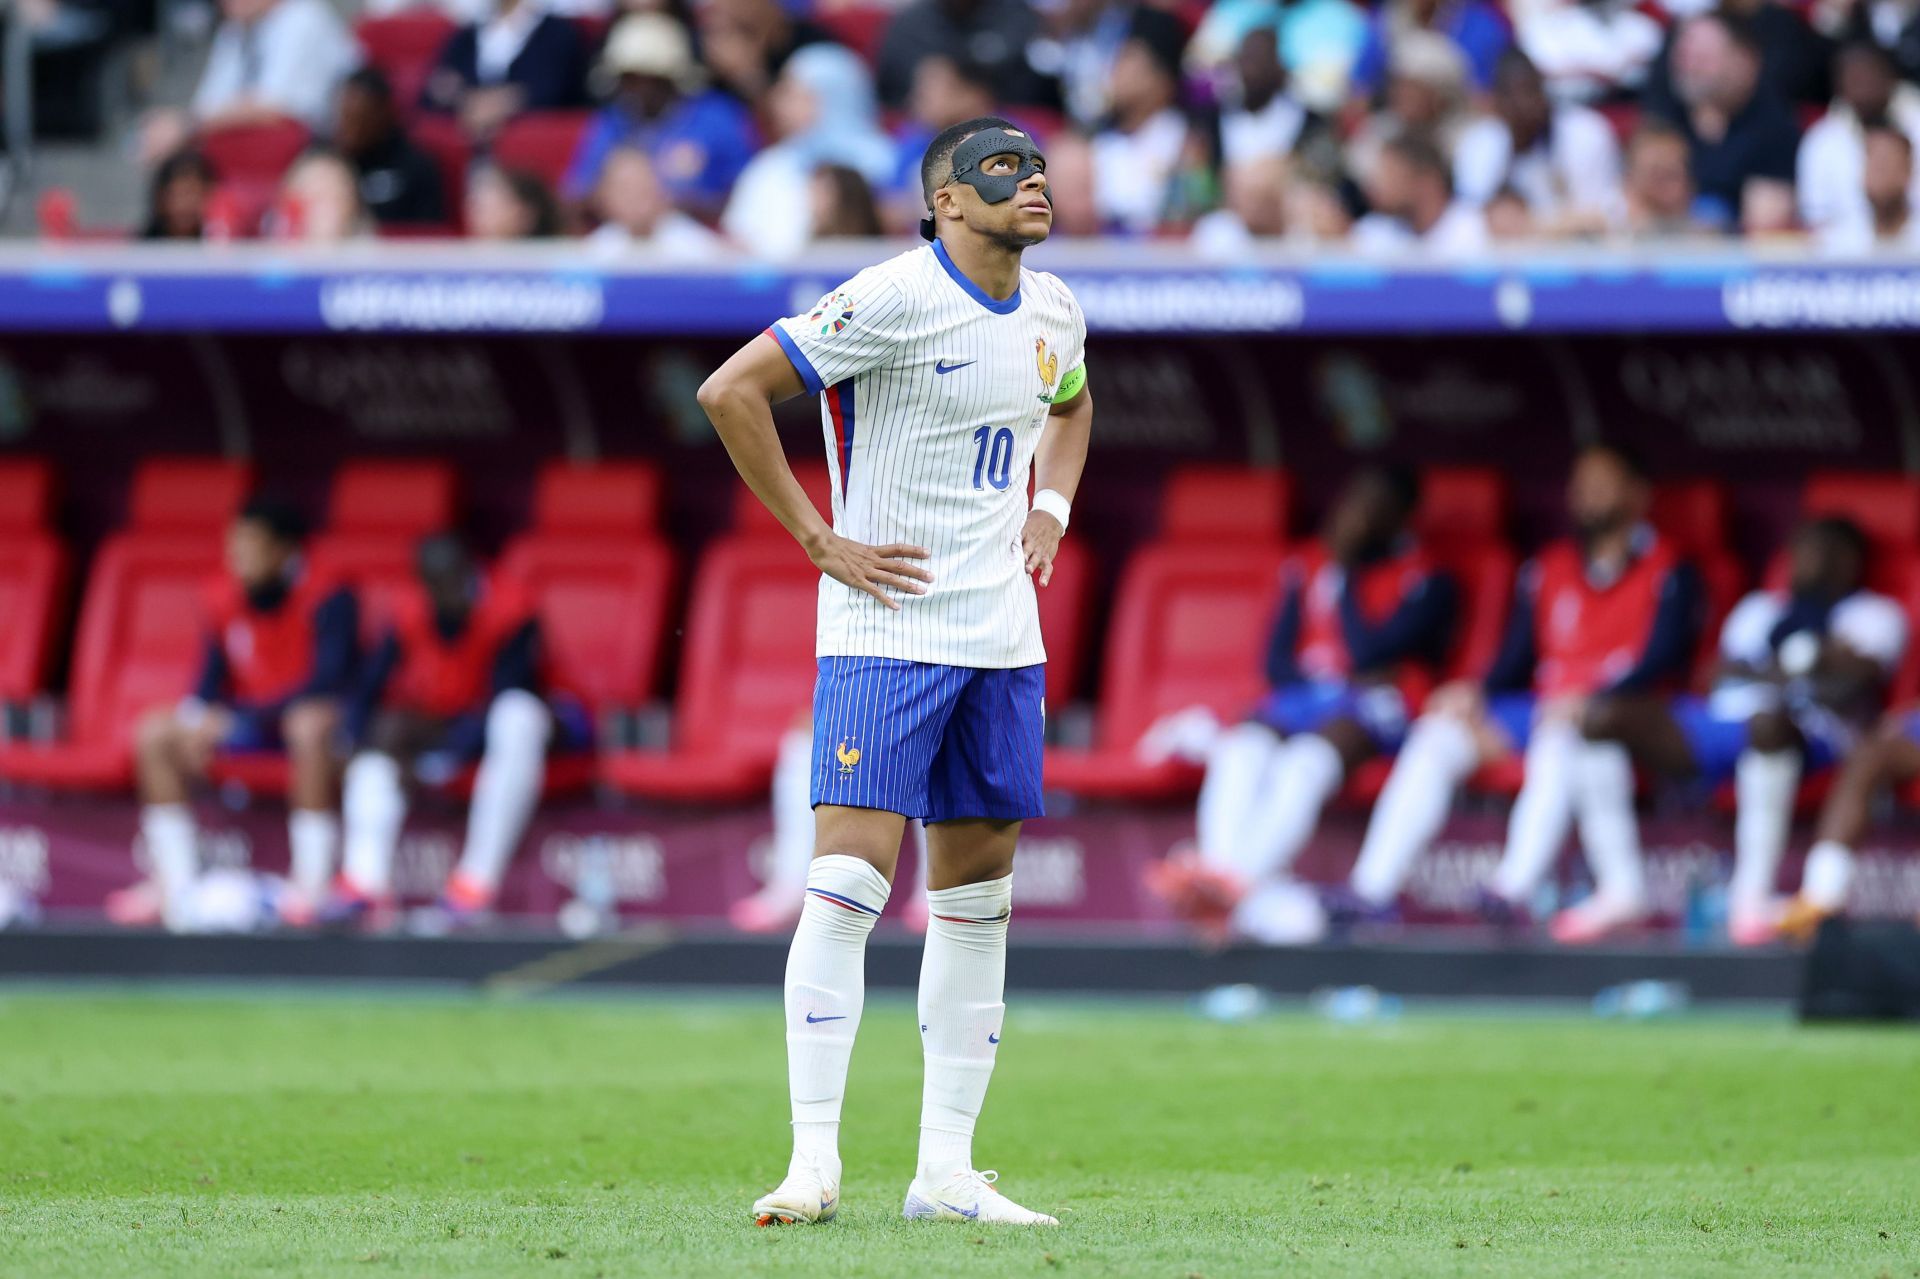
(1801,919)
(805,1198)
(1595,919)
(774,909)
(1198,893)
(1347,910)
(1501,913)
(969,1197)
(1757,925)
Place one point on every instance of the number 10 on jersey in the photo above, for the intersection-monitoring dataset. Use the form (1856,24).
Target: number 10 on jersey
(994,461)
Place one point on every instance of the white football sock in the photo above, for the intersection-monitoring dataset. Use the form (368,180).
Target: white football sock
(374,804)
(792,812)
(1439,754)
(507,787)
(1542,813)
(1828,875)
(1764,786)
(963,977)
(1238,782)
(1308,773)
(313,836)
(825,990)
(173,850)
(1609,828)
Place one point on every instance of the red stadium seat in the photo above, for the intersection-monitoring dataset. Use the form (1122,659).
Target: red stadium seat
(614,499)
(860,27)
(33,577)
(188,495)
(442,138)
(138,647)
(1885,506)
(379,568)
(541,143)
(405,47)
(26,495)
(1462,506)
(1185,632)
(603,606)
(1226,503)
(747,673)
(1693,513)
(253,152)
(402,500)
(1066,619)
(750,515)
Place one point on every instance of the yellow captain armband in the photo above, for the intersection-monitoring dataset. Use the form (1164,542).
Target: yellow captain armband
(1071,384)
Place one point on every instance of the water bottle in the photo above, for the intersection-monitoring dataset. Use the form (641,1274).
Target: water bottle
(595,905)
(1231,1004)
(1639,1000)
(1355,1005)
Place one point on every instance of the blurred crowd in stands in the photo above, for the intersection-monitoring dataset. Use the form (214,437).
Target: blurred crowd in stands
(1426,127)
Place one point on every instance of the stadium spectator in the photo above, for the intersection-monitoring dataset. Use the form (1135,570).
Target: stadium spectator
(1795,61)
(1612,609)
(319,202)
(1078,49)
(946,91)
(1768,212)
(1425,93)
(1509,219)
(1659,187)
(281,652)
(1884,219)
(699,138)
(1070,184)
(1319,42)
(1894,25)
(1803,674)
(634,211)
(1477,28)
(842,203)
(508,204)
(823,112)
(455,680)
(1254,208)
(1364,620)
(991,34)
(1736,128)
(177,197)
(1588,50)
(1137,152)
(1561,160)
(270,60)
(1258,117)
(400,183)
(1414,212)
(520,58)
(1832,157)
(746,44)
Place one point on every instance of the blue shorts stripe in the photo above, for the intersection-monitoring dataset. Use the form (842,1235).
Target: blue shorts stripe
(926,740)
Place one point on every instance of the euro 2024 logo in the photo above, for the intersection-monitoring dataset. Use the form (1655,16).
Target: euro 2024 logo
(833,314)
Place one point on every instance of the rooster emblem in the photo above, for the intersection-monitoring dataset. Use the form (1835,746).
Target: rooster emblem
(848,757)
(1049,364)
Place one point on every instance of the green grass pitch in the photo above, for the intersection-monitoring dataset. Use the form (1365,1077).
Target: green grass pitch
(282,1133)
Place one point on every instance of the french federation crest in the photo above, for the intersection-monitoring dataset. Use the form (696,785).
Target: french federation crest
(1049,363)
(834,313)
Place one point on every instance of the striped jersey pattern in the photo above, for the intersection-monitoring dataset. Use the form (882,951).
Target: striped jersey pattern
(933,396)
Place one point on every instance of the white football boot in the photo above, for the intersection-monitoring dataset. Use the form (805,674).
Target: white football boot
(807,1197)
(969,1197)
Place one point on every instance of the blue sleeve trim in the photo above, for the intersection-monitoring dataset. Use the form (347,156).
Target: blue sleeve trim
(801,364)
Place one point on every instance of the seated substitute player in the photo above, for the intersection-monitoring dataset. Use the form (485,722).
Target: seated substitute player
(1611,610)
(946,375)
(1364,622)
(281,652)
(1803,671)
(455,679)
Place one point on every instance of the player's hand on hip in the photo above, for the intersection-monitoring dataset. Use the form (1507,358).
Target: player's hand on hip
(1039,542)
(874,569)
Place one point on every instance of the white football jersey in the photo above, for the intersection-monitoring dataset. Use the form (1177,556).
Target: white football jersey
(932,399)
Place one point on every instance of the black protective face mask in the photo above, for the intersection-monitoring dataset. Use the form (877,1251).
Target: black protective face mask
(995,188)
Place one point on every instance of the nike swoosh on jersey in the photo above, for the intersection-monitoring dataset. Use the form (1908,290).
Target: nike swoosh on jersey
(814,1021)
(941,366)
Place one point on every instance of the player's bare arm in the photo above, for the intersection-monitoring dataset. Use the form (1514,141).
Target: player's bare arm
(1057,463)
(738,398)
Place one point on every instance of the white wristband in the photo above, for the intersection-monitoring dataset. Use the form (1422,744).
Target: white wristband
(1053,504)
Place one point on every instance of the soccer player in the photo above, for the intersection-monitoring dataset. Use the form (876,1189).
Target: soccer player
(281,651)
(1364,621)
(455,679)
(946,375)
(1611,610)
(1803,672)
